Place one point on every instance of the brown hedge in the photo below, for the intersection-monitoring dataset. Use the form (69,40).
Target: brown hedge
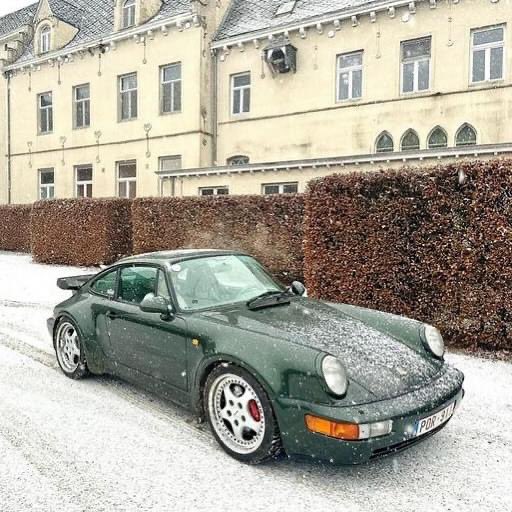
(81,231)
(15,228)
(418,243)
(268,227)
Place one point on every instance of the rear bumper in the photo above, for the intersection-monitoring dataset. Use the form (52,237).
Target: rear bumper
(404,411)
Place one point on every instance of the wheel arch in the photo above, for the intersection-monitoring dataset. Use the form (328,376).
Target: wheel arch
(209,365)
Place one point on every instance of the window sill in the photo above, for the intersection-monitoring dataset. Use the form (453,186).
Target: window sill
(349,100)
(42,134)
(78,128)
(127,120)
(487,84)
(177,112)
(426,92)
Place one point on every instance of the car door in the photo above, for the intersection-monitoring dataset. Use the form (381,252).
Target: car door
(142,341)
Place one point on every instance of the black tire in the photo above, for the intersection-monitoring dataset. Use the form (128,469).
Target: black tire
(79,360)
(271,444)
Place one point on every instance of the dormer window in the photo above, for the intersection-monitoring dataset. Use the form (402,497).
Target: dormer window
(128,13)
(45,39)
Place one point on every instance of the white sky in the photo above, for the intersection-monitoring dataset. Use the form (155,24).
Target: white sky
(7,6)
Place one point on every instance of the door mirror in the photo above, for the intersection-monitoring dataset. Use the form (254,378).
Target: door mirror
(299,289)
(158,305)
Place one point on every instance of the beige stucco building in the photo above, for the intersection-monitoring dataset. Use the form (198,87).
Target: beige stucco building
(151,97)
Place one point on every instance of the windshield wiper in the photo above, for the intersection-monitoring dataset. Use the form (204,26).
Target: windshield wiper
(268,299)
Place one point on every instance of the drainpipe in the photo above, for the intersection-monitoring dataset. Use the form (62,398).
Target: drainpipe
(9,198)
(215,87)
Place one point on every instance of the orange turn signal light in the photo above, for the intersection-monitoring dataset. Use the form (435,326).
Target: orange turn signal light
(346,431)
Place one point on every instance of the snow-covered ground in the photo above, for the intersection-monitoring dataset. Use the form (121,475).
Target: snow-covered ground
(101,444)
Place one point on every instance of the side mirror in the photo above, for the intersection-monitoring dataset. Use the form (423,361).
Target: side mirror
(299,289)
(158,305)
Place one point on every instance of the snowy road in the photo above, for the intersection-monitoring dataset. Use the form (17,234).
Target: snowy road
(103,445)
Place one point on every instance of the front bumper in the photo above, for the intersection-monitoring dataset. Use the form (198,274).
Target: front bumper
(405,411)
(50,323)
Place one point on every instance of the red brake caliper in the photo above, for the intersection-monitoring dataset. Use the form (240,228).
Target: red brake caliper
(255,411)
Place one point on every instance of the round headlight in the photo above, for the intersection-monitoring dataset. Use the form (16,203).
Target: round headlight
(335,375)
(435,342)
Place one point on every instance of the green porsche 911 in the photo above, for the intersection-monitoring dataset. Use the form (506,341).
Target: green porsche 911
(271,370)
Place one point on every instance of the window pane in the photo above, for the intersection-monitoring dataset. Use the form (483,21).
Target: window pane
(177,97)
(47,178)
(106,285)
(128,82)
(134,107)
(207,192)
(80,114)
(344,83)
(466,136)
(353,59)
(417,48)
(125,106)
(242,80)
(128,170)
(167,98)
(50,119)
(44,121)
(423,75)
(271,189)
(357,83)
(410,142)
(170,163)
(82,92)
(222,191)
(408,77)
(478,66)
(172,73)
(132,190)
(438,139)
(46,100)
(247,100)
(493,35)
(496,63)
(385,144)
(42,193)
(84,173)
(237,101)
(123,189)
(88,190)
(162,290)
(136,282)
(290,188)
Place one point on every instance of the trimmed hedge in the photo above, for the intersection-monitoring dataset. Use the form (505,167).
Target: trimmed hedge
(268,227)
(418,243)
(15,228)
(81,231)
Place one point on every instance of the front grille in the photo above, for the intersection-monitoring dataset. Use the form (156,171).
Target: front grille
(398,447)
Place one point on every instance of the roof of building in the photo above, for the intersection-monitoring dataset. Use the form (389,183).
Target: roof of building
(247,16)
(14,20)
(94,19)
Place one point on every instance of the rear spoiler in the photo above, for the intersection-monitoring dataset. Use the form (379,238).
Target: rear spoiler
(73,283)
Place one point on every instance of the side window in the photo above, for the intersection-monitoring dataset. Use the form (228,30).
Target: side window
(106,285)
(136,282)
(162,289)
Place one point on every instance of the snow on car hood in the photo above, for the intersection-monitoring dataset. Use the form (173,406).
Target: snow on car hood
(381,364)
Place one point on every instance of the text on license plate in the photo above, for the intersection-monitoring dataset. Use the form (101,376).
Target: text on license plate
(426,425)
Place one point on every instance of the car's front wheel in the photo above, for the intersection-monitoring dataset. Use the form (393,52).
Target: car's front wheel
(69,350)
(241,416)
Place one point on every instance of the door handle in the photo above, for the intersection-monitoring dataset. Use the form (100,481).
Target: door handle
(112,316)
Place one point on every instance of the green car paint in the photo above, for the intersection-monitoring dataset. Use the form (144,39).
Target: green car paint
(392,375)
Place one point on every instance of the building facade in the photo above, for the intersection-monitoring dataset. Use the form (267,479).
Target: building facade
(180,97)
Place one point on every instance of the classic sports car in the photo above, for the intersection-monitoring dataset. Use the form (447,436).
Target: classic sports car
(271,370)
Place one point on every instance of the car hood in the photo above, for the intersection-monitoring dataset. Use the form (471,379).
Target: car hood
(382,365)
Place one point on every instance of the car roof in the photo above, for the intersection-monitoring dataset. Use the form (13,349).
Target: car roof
(176,256)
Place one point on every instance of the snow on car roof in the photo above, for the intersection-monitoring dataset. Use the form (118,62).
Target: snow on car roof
(178,254)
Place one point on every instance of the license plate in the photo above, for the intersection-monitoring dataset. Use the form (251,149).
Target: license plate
(426,425)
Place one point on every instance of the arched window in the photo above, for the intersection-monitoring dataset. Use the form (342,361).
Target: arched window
(384,143)
(466,136)
(45,39)
(238,160)
(437,138)
(410,141)
(128,13)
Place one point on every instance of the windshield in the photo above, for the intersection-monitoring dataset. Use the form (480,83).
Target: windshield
(219,280)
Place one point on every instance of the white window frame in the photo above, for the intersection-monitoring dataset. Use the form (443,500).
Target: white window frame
(83,184)
(43,130)
(172,83)
(48,187)
(128,14)
(243,91)
(487,47)
(281,187)
(215,191)
(350,70)
(416,61)
(129,93)
(84,101)
(130,182)
(45,39)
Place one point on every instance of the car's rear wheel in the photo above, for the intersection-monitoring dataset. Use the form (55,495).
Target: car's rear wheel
(69,350)
(241,416)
